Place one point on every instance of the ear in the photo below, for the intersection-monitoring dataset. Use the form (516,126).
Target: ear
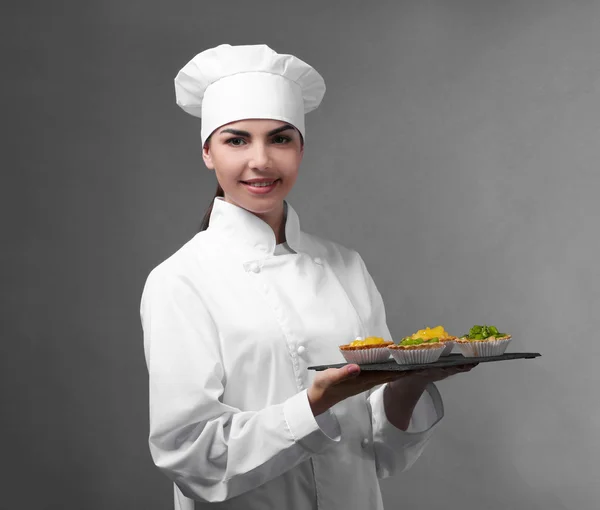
(207,157)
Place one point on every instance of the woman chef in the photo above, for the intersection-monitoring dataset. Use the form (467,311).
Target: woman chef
(233,319)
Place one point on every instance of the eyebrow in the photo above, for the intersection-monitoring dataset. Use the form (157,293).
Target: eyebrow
(238,132)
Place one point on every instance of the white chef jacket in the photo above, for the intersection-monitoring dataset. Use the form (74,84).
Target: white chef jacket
(231,322)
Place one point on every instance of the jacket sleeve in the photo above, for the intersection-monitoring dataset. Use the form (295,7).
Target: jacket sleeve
(396,450)
(210,450)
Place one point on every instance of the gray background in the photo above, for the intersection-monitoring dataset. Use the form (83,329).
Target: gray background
(456,149)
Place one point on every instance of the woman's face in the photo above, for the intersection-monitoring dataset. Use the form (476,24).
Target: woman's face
(257,151)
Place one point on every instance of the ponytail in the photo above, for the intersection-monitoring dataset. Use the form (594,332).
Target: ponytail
(206,219)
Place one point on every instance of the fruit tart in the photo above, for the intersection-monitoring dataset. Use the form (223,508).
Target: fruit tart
(417,351)
(483,341)
(372,349)
(440,334)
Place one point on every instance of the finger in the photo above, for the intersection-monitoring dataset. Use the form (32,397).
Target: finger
(460,370)
(432,374)
(344,373)
(464,368)
(424,372)
(373,380)
(380,376)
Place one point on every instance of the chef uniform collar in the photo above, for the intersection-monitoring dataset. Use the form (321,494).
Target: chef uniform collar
(246,229)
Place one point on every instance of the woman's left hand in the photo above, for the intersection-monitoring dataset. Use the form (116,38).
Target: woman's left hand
(431,375)
(401,396)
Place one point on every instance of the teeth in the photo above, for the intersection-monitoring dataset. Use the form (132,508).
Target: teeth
(261,184)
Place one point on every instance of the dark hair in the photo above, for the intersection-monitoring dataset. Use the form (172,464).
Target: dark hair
(220,193)
(206,219)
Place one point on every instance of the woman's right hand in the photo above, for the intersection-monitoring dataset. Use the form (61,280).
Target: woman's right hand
(336,384)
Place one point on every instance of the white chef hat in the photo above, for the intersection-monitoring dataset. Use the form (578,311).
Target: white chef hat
(229,83)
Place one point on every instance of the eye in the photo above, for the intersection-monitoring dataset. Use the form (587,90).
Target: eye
(235,142)
(281,139)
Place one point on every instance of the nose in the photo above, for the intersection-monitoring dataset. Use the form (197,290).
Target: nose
(260,158)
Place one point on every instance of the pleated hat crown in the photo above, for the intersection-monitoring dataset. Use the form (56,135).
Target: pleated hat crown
(230,83)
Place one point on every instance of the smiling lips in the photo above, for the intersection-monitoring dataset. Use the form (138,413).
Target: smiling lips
(260,180)
(260,186)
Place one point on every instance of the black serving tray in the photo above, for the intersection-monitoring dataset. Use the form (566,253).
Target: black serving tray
(445,361)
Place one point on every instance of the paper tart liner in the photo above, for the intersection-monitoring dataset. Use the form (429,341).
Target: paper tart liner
(482,348)
(366,354)
(448,346)
(416,356)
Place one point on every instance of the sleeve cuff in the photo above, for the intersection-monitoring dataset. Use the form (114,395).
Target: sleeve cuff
(397,450)
(426,415)
(329,424)
(314,434)
(428,411)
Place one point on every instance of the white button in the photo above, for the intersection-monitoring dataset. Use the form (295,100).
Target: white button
(318,260)
(301,349)
(364,443)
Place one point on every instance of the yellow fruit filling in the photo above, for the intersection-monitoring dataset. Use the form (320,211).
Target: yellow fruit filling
(370,340)
(429,333)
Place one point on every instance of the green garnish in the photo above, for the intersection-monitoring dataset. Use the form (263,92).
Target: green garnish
(417,341)
(483,332)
